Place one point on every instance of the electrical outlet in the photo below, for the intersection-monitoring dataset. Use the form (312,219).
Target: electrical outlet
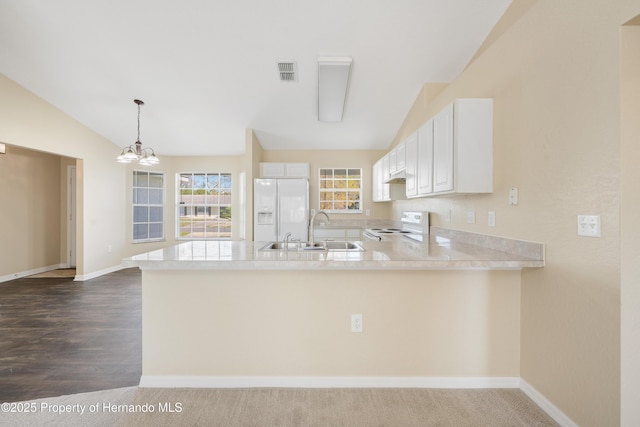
(491,219)
(589,225)
(471,217)
(356,323)
(367,212)
(447,215)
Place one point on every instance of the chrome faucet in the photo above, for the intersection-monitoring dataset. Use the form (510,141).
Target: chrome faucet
(313,218)
(287,236)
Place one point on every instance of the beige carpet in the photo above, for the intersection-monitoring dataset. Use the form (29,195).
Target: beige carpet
(286,407)
(60,273)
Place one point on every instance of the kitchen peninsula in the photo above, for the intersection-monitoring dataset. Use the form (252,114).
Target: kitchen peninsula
(228,314)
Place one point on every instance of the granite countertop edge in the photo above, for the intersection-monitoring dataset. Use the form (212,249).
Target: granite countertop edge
(445,250)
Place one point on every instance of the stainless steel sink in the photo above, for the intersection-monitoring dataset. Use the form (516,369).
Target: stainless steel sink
(315,246)
(343,246)
(291,246)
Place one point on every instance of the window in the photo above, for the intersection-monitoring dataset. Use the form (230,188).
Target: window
(148,206)
(204,209)
(341,190)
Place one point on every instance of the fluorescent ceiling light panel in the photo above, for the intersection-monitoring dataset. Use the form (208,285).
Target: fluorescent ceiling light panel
(333,81)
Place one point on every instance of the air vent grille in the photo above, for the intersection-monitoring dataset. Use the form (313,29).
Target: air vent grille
(287,71)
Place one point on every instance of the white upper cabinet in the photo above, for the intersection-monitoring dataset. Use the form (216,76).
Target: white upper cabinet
(425,159)
(411,166)
(271,170)
(443,150)
(451,153)
(284,170)
(463,147)
(393,161)
(381,191)
(376,182)
(386,167)
(419,154)
(397,159)
(401,157)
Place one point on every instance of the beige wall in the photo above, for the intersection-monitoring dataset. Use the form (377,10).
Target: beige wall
(336,159)
(171,167)
(629,224)
(272,323)
(251,166)
(554,76)
(31,213)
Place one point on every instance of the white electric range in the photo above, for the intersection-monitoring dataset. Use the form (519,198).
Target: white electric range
(415,225)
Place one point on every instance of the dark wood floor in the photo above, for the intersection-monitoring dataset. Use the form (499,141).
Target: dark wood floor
(62,337)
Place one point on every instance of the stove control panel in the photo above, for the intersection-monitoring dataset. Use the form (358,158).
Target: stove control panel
(417,222)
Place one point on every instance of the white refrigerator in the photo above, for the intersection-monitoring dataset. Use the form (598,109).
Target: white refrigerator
(280,206)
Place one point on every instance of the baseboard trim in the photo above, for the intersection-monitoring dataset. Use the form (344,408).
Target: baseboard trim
(93,275)
(545,404)
(169,381)
(30,272)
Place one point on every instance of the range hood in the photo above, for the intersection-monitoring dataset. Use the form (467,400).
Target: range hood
(398,177)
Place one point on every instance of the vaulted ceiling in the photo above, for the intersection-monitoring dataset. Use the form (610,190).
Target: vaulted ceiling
(206,69)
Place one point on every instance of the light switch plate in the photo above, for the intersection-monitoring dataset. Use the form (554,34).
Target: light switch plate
(356,323)
(513,196)
(491,219)
(589,225)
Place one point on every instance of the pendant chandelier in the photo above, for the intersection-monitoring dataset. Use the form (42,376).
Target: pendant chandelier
(144,156)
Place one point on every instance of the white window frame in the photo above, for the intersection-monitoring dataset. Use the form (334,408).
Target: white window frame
(141,198)
(332,186)
(202,206)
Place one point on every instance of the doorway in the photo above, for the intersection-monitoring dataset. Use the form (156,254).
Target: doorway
(629,226)
(71,216)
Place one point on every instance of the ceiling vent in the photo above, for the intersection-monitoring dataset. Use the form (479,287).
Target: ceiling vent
(287,71)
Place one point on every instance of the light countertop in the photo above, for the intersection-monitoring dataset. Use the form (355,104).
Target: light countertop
(445,250)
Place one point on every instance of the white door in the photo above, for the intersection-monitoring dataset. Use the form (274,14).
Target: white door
(443,150)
